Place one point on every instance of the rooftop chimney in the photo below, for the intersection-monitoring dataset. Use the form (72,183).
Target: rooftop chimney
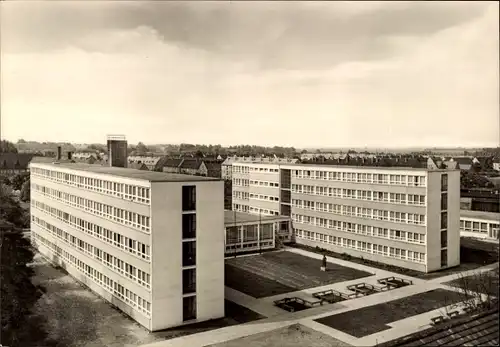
(59,153)
(117,150)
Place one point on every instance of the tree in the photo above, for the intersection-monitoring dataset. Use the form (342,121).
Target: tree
(18,181)
(26,191)
(7,147)
(141,149)
(19,326)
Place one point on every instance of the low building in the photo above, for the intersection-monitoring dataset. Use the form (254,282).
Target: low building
(245,232)
(172,165)
(193,167)
(150,161)
(213,169)
(496,165)
(14,163)
(479,224)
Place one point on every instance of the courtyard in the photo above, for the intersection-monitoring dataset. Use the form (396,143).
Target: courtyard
(275,273)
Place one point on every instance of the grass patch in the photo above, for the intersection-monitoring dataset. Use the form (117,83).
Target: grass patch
(283,272)
(373,319)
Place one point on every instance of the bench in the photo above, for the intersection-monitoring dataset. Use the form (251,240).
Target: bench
(452,314)
(437,320)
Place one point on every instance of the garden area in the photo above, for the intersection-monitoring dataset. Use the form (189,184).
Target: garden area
(274,273)
(373,319)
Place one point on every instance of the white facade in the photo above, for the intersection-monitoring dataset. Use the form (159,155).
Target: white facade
(481,225)
(398,216)
(127,235)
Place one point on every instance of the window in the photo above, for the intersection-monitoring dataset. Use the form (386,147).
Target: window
(189,308)
(188,253)
(189,198)
(188,226)
(444,182)
(188,281)
(444,258)
(444,239)
(444,220)
(444,201)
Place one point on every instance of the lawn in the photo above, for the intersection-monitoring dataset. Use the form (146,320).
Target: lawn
(295,335)
(78,317)
(473,254)
(276,273)
(373,319)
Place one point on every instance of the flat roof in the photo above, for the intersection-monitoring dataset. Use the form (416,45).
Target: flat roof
(151,176)
(232,217)
(490,216)
(362,167)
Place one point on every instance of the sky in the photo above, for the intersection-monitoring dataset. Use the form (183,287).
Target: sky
(302,74)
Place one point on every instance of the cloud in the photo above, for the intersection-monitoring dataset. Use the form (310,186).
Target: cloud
(273,34)
(304,74)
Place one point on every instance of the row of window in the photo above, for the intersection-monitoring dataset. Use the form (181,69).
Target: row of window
(361,229)
(114,263)
(247,169)
(263,183)
(367,247)
(241,182)
(368,195)
(362,212)
(476,227)
(125,295)
(241,195)
(132,246)
(403,180)
(263,197)
(112,213)
(121,190)
(263,211)
(249,233)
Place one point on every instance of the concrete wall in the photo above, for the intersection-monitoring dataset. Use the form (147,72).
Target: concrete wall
(434,219)
(454,218)
(167,252)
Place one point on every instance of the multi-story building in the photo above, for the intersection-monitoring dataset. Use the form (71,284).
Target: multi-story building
(479,224)
(150,243)
(401,216)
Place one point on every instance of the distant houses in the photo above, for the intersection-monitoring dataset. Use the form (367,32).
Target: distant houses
(14,163)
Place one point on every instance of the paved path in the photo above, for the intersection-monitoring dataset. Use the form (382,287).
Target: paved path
(278,318)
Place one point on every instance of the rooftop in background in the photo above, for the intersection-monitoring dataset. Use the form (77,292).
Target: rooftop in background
(491,216)
(232,217)
(150,176)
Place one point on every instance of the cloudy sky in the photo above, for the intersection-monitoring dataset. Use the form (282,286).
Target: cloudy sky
(349,74)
